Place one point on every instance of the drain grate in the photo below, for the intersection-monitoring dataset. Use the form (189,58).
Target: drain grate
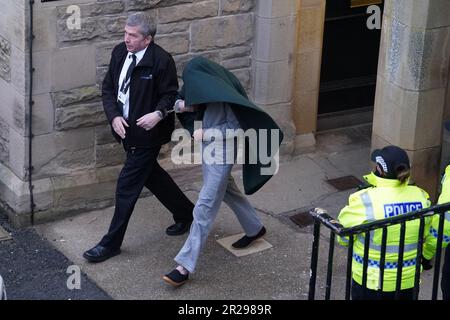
(4,235)
(345,183)
(302,219)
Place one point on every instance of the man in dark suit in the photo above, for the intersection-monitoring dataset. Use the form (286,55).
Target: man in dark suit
(139,89)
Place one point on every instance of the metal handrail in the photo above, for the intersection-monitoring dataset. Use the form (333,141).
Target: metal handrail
(321,217)
(331,223)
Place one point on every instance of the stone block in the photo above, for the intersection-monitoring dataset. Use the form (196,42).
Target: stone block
(415,59)
(62,153)
(20,115)
(235,52)
(108,174)
(88,115)
(12,106)
(99,28)
(276,38)
(4,141)
(311,25)
(305,111)
(5,53)
(100,75)
(211,34)
(42,77)
(13,193)
(425,169)
(275,8)
(92,9)
(182,60)
(447,107)
(282,114)
(111,154)
(103,135)
(237,63)
(19,74)
(81,191)
(87,94)
(177,27)
(445,154)
(42,194)
(103,53)
(43,114)
(174,44)
(272,82)
(430,112)
(404,117)
(141,5)
(244,76)
(236,6)
(73,67)
(194,11)
(18,154)
(423,14)
(44,29)
(307,76)
(13,23)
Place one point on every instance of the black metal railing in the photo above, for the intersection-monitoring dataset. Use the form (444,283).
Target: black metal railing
(322,218)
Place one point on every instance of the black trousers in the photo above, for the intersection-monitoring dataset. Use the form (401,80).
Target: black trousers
(445,282)
(361,293)
(142,169)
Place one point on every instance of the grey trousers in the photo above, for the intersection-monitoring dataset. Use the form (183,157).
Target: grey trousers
(218,186)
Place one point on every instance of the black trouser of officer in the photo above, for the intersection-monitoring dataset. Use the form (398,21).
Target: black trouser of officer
(142,169)
(361,293)
(445,282)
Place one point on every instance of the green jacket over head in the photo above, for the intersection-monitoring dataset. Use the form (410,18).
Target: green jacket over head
(205,82)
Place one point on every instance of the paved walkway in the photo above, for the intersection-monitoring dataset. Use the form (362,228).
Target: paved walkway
(277,269)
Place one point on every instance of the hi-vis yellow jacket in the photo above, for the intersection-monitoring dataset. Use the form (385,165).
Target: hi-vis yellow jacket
(431,244)
(385,198)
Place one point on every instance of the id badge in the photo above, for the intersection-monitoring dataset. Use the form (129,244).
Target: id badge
(122,97)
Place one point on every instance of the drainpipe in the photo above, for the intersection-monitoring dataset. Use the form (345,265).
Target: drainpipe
(30,112)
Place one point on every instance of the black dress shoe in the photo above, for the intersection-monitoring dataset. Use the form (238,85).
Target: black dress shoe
(178,228)
(100,253)
(175,278)
(245,241)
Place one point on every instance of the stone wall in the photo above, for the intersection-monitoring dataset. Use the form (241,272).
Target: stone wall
(75,159)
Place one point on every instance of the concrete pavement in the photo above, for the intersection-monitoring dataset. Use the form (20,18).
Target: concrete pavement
(279,272)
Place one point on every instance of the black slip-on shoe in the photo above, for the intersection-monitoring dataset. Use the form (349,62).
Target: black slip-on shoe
(100,254)
(178,228)
(245,241)
(175,278)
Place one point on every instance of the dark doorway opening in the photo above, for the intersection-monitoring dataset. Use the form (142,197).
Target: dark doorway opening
(349,64)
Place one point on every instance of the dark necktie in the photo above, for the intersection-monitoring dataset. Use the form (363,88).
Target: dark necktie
(126,82)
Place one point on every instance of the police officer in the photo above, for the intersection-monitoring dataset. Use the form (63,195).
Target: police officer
(388,195)
(430,248)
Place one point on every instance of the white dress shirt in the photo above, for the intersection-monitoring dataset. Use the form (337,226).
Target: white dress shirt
(123,73)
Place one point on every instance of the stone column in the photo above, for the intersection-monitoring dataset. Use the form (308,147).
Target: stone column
(311,19)
(413,76)
(273,63)
(14,103)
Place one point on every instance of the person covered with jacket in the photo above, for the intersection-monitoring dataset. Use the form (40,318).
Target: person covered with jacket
(224,108)
(388,195)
